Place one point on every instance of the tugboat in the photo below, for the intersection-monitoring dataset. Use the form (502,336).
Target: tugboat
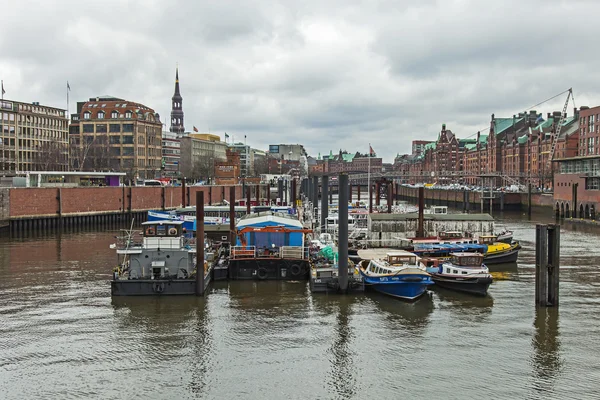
(398,275)
(464,272)
(160,262)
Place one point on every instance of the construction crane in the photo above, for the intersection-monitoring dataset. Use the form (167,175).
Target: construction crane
(558,127)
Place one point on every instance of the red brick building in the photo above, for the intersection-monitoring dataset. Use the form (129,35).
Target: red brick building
(577,183)
(228,172)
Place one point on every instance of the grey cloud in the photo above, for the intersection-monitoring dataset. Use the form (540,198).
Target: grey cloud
(329,75)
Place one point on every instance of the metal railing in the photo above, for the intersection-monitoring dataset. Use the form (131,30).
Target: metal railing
(286,252)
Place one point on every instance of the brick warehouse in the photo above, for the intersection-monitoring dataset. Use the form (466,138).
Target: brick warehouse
(515,151)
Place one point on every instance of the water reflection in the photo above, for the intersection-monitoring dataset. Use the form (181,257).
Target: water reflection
(343,370)
(546,357)
(507,268)
(411,317)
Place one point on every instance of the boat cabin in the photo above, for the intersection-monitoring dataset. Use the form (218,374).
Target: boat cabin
(451,235)
(488,239)
(438,210)
(401,258)
(164,234)
(467,259)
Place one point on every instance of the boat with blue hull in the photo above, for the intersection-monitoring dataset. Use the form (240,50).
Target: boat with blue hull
(398,274)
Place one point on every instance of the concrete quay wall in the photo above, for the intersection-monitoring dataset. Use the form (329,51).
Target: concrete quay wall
(470,201)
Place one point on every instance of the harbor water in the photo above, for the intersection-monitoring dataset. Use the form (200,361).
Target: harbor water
(63,336)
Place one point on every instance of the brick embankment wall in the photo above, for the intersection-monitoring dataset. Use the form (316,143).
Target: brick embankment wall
(26,203)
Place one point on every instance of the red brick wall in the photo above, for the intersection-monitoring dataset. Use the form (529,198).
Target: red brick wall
(33,201)
(85,200)
(563,186)
(37,202)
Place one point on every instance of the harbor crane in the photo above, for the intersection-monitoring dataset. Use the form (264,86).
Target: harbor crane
(557,129)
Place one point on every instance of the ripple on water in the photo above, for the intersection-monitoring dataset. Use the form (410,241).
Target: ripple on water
(275,340)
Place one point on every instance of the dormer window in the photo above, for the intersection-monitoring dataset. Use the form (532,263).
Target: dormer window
(87,115)
(114,114)
(128,114)
(101,115)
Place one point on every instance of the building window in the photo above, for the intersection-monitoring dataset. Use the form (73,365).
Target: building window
(115,140)
(87,115)
(101,115)
(114,114)
(592,184)
(127,127)
(88,128)
(128,139)
(115,128)
(101,128)
(128,114)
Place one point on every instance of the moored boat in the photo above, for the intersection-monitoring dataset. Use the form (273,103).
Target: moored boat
(499,252)
(160,262)
(270,246)
(399,275)
(463,272)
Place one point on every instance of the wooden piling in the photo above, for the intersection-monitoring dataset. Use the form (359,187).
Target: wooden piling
(324,204)
(421,221)
(547,265)
(199,243)
(529,199)
(232,215)
(343,232)
(183,192)
(247,199)
(390,197)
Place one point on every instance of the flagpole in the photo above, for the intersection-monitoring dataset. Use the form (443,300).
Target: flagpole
(369,171)
(68,88)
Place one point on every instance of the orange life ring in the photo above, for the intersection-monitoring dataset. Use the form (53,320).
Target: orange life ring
(150,231)
(172,231)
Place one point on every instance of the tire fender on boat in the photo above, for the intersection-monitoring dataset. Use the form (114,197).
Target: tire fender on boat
(158,287)
(295,270)
(261,273)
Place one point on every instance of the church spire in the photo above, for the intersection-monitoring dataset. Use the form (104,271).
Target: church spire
(176,108)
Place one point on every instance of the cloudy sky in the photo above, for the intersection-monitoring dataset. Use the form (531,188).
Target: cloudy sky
(327,74)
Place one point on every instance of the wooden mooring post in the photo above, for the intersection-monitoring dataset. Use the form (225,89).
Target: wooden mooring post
(547,255)
(200,243)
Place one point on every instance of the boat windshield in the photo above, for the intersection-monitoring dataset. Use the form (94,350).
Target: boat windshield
(467,261)
(450,235)
(398,260)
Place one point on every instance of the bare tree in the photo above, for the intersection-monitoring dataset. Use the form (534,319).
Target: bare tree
(261,166)
(79,151)
(99,157)
(51,156)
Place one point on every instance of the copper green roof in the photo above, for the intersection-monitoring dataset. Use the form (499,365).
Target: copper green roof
(483,139)
(522,139)
(347,157)
(502,124)
(470,146)
(431,146)
(546,124)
